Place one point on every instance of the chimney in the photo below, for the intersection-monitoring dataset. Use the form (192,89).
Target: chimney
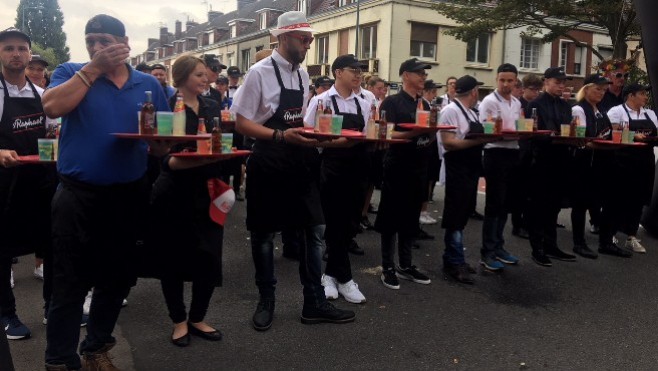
(179,29)
(164,32)
(189,25)
(150,42)
(214,14)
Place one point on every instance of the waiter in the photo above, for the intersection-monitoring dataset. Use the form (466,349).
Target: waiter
(549,170)
(234,75)
(462,162)
(343,177)
(405,178)
(282,192)
(25,191)
(213,69)
(500,159)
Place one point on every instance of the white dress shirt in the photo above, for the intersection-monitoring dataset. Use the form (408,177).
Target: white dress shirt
(618,114)
(509,111)
(367,95)
(259,95)
(24,92)
(344,105)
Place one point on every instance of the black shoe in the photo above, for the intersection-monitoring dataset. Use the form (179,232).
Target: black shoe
(584,251)
(182,341)
(461,273)
(520,232)
(365,224)
(477,216)
(355,249)
(614,250)
(424,236)
(558,225)
(540,258)
(558,254)
(262,319)
(412,274)
(326,313)
(215,335)
(390,279)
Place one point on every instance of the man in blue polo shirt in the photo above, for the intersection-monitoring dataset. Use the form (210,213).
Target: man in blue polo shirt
(97,205)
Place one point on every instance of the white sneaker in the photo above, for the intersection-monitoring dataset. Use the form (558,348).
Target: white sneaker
(124,303)
(38,272)
(330,287)
(632,243)
(11,279)
(87,304)
(351,292)
(426,219)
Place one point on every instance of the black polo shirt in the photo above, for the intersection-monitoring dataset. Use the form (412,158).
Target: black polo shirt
(551,111)
(610,100)
(401,108)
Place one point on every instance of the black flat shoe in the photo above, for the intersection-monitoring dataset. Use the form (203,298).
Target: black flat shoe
(182,341)
(215,335)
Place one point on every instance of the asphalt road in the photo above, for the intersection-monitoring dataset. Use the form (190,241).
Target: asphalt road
(588,315)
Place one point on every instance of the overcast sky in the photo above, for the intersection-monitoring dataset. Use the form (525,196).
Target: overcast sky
(141,17)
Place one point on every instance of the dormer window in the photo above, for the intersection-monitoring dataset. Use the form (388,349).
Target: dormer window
(262,20)
(234,30)
(301,6)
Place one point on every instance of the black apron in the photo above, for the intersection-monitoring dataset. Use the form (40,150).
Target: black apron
(282,190)
(344,181)
(639,162)
(463,169)
(25,191)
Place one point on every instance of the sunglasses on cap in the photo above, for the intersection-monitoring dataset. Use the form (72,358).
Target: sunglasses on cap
(620,75)
(216,69)
(303,39)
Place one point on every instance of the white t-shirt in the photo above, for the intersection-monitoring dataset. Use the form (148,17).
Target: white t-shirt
(259,95)
(618,114)
(344,105)
(453,115)
(509,111)
(25,92)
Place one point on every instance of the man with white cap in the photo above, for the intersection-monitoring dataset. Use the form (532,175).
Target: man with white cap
(282,190)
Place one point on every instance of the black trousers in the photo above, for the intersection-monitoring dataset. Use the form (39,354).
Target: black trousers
(94,237)
(202,291)
(405,244)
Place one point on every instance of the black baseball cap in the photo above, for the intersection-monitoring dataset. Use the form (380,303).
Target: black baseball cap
(413,65)
(556,73)
(143,67)
(222,80)
(323,80)
(212,61)
(430,84)
(634,88)
(466,83)
(158,66)
(13,31)
(36,58)
(596,78)
(347,60)
(104,23)
(233,71)
(507,67)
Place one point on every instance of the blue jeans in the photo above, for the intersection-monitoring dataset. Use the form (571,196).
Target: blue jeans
(454,252)
(492,236)
(310,265)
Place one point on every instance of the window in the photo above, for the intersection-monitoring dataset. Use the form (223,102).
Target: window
(605,51)
(530,49)
(246,59)
(323,49)
(234,31)
(579,61)
(369,42)
(259,48)
(231,59)
(343,2)
(477,51)
(423,40)
(301,6)
(262,18)
(564,54)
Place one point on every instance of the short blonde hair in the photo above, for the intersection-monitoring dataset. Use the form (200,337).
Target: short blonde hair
(183,68)
(581,93)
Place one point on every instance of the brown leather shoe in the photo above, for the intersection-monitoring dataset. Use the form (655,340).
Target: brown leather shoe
(461,273)
(99,360)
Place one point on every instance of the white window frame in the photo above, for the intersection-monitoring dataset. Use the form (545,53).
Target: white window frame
(301,6)
(533,62)
(423,46)
(262,20)
(477,48)
(233,30)
(563,54)
(245,54)
(322,42)
(370,42)
(231,58)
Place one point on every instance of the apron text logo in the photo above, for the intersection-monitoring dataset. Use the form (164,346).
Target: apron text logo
(21,124)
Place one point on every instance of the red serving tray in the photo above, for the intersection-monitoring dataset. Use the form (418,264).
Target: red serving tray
(375,140)
(413,126)
(345,133)
(156,137)
(221,156)
(527,133)
(34,159)
(483,135)
(611,143)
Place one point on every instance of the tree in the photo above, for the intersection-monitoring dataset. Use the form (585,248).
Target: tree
(47,54)
(550,19)
(43,21)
